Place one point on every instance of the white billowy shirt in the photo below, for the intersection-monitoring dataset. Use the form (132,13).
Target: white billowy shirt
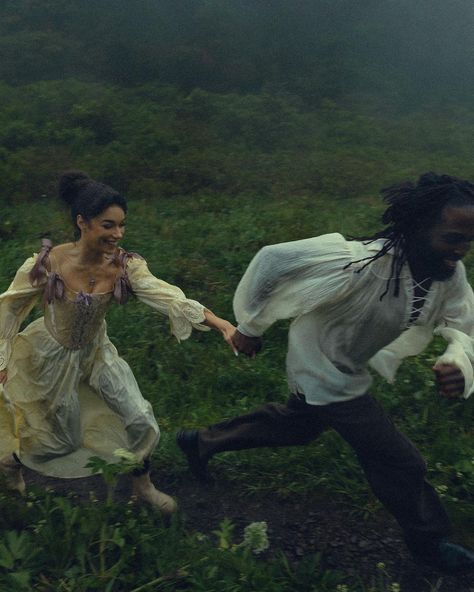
(341,324)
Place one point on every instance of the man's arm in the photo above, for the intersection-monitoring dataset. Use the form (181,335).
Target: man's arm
(455,367)
(286,280)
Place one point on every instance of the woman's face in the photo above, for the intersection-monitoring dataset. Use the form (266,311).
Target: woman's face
(105,231)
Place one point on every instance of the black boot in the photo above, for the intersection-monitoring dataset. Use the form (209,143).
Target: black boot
(188,441)
(446,557)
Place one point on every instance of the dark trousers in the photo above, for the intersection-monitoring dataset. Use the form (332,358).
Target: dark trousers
(392,464)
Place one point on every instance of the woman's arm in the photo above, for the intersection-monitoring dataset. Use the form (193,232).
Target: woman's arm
(286,280)
(226,328)
(15,304)
(184,314)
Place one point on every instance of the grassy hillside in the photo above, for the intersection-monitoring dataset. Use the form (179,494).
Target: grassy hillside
(203,241)
(228,130)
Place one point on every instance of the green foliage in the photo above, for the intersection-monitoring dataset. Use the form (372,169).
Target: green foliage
(111,471)
(89,547)
(156,143)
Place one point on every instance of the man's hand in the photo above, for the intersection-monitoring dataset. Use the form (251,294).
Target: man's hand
(250,346)
(3,376)
(450,380)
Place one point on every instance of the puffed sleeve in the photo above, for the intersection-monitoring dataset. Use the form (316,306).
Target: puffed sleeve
(457,328)
(410,343)
(289,279)
(454,322)
(15,304)
(184,314)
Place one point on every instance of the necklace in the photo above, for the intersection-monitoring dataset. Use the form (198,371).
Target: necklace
(92,280)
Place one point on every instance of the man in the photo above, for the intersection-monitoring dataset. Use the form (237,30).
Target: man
(374,300)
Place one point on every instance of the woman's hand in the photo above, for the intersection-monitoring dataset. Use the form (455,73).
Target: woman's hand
(227,329)
(3,376)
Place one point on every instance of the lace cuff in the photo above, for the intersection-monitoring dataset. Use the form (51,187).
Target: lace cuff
(386,363)
(185,315)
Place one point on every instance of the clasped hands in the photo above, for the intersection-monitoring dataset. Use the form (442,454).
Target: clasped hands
(249,346)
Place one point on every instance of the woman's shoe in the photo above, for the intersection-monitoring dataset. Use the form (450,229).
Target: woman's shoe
(144,490)
(10,468)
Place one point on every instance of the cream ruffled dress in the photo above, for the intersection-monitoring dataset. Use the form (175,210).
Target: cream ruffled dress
(69,395)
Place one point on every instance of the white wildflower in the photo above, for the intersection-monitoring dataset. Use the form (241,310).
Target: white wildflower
(255,537)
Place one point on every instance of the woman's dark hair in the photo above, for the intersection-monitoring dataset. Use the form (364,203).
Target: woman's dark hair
(87,197)
(412,208)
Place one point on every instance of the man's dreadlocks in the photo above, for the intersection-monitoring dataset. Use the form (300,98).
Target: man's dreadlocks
(413,207)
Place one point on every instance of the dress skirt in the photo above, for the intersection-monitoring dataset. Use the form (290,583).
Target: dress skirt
(60,406)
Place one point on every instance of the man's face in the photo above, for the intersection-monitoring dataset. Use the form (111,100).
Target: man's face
(434,252)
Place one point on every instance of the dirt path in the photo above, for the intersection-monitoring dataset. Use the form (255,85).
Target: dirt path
(297,525)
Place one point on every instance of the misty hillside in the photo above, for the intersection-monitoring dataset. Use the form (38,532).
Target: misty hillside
(164,98)
(329,48)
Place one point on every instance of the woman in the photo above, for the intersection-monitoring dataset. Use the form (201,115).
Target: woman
(67,395)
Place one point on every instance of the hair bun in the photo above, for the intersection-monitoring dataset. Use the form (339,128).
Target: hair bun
(434,180)
(431,180)
(70,183)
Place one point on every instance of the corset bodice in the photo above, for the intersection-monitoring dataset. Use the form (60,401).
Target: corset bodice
(74,322)
(72,318)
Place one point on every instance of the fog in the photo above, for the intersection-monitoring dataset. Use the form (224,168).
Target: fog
(398,49)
